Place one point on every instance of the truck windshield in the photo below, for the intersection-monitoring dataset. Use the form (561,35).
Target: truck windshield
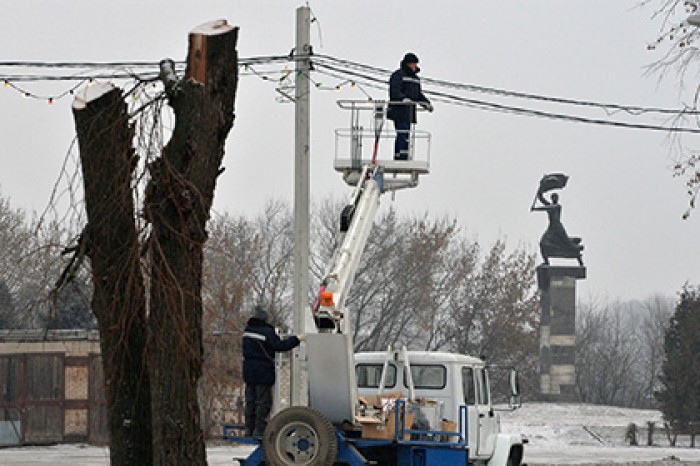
(370,375)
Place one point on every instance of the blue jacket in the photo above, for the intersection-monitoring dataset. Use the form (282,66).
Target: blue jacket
(260,343)
(404,84)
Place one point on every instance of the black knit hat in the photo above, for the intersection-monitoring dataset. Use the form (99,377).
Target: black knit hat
(261,313)
(410,58)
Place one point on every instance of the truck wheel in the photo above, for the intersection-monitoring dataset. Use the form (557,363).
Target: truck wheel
(299,436)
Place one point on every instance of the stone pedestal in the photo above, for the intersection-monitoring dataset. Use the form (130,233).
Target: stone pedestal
(557,286)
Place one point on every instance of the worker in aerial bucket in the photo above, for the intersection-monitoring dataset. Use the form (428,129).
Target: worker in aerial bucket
(404,88)
(260,343)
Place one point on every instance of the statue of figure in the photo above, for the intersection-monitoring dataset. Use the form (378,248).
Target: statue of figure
(555,241)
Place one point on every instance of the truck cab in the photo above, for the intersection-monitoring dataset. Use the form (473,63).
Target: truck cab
(450,381)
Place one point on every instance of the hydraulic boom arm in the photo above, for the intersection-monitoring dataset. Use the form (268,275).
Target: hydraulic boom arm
(355,225)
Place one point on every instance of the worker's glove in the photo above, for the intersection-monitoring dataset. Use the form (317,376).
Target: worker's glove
(301,337)
(428,106)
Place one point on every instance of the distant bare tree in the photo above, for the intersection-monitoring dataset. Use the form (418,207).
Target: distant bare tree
(607,351)
(30,262)
(619,350)
(497,314)
(229,260)
(15,240)
(273,262)
(230,257)
(675,52)
(656,314)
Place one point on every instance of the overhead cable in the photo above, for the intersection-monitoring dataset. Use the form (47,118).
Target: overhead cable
(632,109)
(496,107)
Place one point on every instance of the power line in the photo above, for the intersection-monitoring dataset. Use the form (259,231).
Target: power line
(492,106)
(448,98)
(632,109)
(318,59)
(134,64)
(12,80)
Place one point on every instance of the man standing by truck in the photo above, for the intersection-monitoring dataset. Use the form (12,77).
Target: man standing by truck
(405,91)
(260,343)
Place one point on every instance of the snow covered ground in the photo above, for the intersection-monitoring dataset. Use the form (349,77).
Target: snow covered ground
(587,434)
(558,434)
(85,455)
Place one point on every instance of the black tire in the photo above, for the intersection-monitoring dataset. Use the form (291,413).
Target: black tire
(299,436)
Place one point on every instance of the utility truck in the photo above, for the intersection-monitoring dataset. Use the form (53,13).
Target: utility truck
(396,407)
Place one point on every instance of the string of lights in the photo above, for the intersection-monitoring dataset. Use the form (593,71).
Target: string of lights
(49,99)
(343,81)
(17,82)
(15,75)
(126,75)
(345,72)
(151,72)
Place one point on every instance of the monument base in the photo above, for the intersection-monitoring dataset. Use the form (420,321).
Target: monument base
(557,286)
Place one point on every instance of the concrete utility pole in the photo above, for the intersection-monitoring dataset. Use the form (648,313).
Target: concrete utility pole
(301,195)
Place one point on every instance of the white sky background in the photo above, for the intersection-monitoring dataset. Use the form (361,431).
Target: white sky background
(621,198)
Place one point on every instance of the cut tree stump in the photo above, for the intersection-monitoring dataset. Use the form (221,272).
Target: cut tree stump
(178,203)
(119,302)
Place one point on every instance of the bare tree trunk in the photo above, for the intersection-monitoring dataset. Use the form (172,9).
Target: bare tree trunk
(110,239)
(178,202)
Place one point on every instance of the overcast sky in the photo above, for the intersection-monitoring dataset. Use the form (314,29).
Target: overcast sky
(621,198)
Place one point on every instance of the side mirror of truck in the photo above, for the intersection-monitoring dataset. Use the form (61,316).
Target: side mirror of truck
(514,401)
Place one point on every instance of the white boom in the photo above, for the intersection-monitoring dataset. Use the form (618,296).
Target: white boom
(332,386)
(343,265)
(330,352)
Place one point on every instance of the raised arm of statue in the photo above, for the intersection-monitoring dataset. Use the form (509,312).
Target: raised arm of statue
(545,203)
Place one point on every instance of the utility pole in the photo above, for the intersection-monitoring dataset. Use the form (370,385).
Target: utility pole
(302,138)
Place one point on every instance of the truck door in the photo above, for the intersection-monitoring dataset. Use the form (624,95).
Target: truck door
(487,420)
(469,392)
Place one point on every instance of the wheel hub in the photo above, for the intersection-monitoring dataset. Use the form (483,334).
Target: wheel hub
(297,442)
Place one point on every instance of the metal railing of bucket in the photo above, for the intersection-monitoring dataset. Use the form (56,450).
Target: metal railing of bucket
(359,144)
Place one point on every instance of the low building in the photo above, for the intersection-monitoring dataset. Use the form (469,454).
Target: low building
(51,387)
